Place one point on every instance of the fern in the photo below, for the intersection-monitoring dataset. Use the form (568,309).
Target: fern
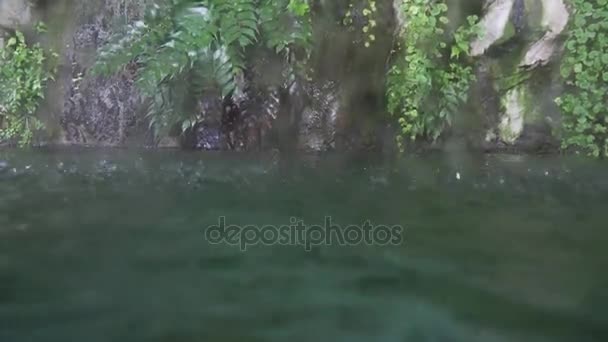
(201,45)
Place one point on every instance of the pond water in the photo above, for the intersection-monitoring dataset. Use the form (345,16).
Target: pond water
(110,246)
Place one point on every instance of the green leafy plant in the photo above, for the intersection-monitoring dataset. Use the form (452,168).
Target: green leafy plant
(584,69)
(185,48)
(430,76)
(23,79)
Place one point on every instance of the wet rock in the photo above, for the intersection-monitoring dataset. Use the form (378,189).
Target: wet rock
(555,18)
(96,110)
(317,127)
(486,98)
(537,138)
(518,15)
(209,134)
(522,94)
(512,122)
(245,120)
(101,111)
(257,117)
(209,138)
(493,24)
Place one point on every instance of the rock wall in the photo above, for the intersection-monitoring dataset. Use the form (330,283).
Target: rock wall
(340,108)
(97,110)
(80,108)
(15,13)
(518,62)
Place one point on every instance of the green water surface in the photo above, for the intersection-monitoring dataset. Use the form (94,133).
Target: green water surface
(110,246)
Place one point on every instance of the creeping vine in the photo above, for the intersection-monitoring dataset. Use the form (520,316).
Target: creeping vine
(584,69)
(431,74)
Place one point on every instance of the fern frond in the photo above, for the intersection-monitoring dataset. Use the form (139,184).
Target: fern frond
(197,44)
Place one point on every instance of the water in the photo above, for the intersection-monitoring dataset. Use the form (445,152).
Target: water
(110,246)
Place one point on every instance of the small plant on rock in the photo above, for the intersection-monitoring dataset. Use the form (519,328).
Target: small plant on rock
(430,76)
(23,79)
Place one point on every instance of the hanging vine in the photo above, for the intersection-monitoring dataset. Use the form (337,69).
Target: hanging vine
(430,73)
(585,115)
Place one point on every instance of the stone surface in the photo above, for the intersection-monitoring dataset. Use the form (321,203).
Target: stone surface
(317,115)
(15,13)
(318,121)
(493,24)
(399,17)
(555,18)
(512,122)
(520,123)
(101,111)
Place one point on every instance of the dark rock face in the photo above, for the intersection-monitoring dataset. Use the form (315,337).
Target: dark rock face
(240,123)
(518,15)
(317,126)
(247,120)
(272,109)
(101,111)
(537,138)
(96,110)
(208,135)
(209,138)
(487,99)
(310,111)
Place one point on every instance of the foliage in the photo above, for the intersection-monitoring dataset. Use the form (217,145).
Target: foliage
(186,47)
(431,76)
(585,115)
(23,78)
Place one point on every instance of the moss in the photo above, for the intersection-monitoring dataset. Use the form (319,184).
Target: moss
(506,135)
(534,13)
(507,34)
(530,108)
(506,83)
(520,108)
(506,127)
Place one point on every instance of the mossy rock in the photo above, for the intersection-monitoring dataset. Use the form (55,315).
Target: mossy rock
(534,14)
(507,35)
